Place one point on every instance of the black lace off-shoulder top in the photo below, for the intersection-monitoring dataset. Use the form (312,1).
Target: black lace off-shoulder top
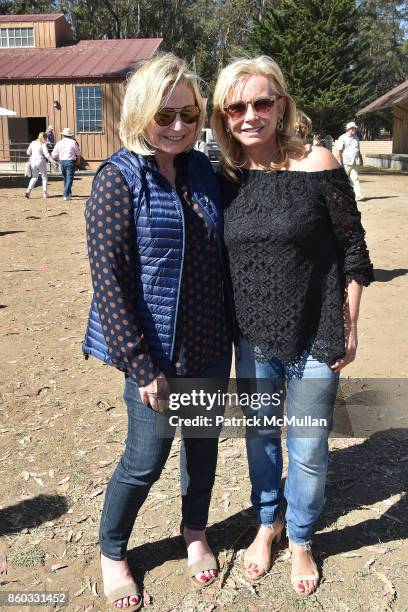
(294,241)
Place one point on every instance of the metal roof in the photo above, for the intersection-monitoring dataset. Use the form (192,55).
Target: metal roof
(34,17)
(83,59)
(391,98)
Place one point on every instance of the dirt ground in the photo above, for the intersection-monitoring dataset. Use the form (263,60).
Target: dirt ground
(63,422)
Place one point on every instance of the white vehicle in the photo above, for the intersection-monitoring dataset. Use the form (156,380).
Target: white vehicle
(206,144)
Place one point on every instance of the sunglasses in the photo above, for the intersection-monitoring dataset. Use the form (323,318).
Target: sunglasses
(188,114)
(261,106)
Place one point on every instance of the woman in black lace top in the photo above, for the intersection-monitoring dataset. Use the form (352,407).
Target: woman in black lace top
(298,263)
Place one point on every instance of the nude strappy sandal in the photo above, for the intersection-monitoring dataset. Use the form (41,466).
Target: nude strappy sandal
(263,566)
(296,578)
(127,590)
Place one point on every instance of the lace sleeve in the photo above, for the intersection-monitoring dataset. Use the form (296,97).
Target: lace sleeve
(346,221)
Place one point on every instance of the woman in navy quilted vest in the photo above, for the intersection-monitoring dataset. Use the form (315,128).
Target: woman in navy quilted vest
(154,232)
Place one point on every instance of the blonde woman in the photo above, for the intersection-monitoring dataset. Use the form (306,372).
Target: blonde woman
(298,263)
(39,155)
(154,229)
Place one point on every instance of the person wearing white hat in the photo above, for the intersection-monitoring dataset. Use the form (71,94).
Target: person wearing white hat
(66,151)
(347,152)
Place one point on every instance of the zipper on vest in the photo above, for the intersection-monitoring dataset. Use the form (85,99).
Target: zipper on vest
(178,203)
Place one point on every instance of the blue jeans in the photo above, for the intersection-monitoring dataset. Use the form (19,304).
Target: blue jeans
(311,388)
(68,171)
(142,463)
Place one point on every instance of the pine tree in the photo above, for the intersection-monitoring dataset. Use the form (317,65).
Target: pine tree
(318,47)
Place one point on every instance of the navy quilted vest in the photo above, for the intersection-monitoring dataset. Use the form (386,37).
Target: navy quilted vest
(159,222)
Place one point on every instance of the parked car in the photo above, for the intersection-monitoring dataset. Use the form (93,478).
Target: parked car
(208,145)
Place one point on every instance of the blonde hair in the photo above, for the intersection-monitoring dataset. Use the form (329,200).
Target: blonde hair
(147,89)
(42,137)
(229,78)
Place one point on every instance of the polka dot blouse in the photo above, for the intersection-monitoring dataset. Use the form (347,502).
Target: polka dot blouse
(201,328)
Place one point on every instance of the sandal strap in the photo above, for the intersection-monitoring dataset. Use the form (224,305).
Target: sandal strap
(301,577)
(126,590)
(202,565)
(263,566)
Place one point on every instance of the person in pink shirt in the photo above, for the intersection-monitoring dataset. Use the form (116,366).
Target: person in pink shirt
(66,152)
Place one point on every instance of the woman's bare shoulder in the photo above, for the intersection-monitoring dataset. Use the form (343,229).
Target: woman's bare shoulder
(315,159)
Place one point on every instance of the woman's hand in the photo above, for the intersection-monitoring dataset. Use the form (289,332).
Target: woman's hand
(156,393)
(350,333)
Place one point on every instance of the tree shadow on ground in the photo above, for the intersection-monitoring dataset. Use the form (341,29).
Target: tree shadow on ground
(369,198)
(6,233)
(21,182)
(359,476)
(384,276)
(31,513)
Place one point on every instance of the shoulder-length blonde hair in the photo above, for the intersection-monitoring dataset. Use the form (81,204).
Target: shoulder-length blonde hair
(42,137)
(231,77)
(146,92)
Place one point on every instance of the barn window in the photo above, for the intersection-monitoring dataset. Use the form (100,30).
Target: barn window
(17,37)
(88,108)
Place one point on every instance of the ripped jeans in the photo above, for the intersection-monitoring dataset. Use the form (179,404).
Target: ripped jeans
(311,388)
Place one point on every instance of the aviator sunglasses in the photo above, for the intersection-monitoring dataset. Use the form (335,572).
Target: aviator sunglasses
(188,114)
(260,106)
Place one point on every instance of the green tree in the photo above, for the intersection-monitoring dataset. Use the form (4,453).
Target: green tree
(383,26)
(319,49)
(20,7)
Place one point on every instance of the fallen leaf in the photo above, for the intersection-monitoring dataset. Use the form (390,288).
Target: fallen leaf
(106,463)
(95,493)
(64,480)
(380,550)
(58,566)
(83,518)
(78,593)
(369,563)
(389,587)
(78,536)
(69,536)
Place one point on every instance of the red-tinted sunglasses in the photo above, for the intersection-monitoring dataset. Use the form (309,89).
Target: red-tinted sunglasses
(260,106)
(188,114)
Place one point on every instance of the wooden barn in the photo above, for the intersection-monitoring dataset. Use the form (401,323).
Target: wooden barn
(397,99)
(48,78)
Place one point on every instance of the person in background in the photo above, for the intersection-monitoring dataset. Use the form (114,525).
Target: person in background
(39,156)
(298,263)
(50,138)
(318,141)
(347,153)
(303,126)
(66,151)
